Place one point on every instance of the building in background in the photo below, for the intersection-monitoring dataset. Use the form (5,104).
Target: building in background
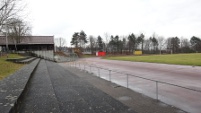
(29,43)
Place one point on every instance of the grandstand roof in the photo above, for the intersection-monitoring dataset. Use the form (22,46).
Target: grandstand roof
(29,40)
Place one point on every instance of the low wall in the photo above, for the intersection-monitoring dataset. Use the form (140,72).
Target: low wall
(13,86)
(49,55)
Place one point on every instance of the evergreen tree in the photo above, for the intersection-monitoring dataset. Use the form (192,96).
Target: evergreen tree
(111,43)
(176,44)
(116,43)
(154,43)
(79,38)
(132,41)
(75,39)
(100,43)
(196,43)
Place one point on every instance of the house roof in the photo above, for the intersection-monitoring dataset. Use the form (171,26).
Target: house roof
(30,40)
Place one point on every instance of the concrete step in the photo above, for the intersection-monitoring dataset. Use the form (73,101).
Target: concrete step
(75,95)
(40,96)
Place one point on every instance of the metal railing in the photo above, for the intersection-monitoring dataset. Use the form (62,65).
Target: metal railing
(83,66)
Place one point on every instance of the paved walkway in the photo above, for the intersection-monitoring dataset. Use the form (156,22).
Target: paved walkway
(53,89)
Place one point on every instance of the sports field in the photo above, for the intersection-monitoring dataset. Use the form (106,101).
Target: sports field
(179,59)
(6,67)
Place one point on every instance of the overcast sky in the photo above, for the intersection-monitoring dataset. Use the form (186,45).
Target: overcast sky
(167,18)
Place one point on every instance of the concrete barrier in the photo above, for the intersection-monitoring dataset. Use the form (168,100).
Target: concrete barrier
(13,86)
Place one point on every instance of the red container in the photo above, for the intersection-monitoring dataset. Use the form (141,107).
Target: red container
(100,53)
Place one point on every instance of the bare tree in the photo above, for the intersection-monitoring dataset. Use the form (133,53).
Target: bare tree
(60,42)
(9,9)
(107,35)
(185,45)
(18,30)
(147,45)
(173,44)
(92,41)
(161,42)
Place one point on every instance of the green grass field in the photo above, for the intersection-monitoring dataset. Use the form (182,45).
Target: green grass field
(179,59)
(7,68)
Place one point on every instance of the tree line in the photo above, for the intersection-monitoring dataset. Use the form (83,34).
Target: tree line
(127,44)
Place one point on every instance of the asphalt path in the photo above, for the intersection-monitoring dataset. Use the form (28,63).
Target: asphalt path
(185,76)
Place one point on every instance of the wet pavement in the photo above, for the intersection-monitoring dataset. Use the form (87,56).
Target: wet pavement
(185,76)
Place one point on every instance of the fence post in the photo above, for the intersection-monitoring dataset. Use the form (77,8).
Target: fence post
(110,75)
(156,90)
(84,67)
(127,79)
(98,72)
(90,69)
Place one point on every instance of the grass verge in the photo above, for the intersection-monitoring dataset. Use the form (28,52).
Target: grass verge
(7,68)
(179,59)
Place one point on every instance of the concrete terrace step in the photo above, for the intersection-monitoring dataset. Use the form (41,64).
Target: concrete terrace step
(26,60)
(12,87)
(75,95)
(18,59)
(40,96)
(52,89)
